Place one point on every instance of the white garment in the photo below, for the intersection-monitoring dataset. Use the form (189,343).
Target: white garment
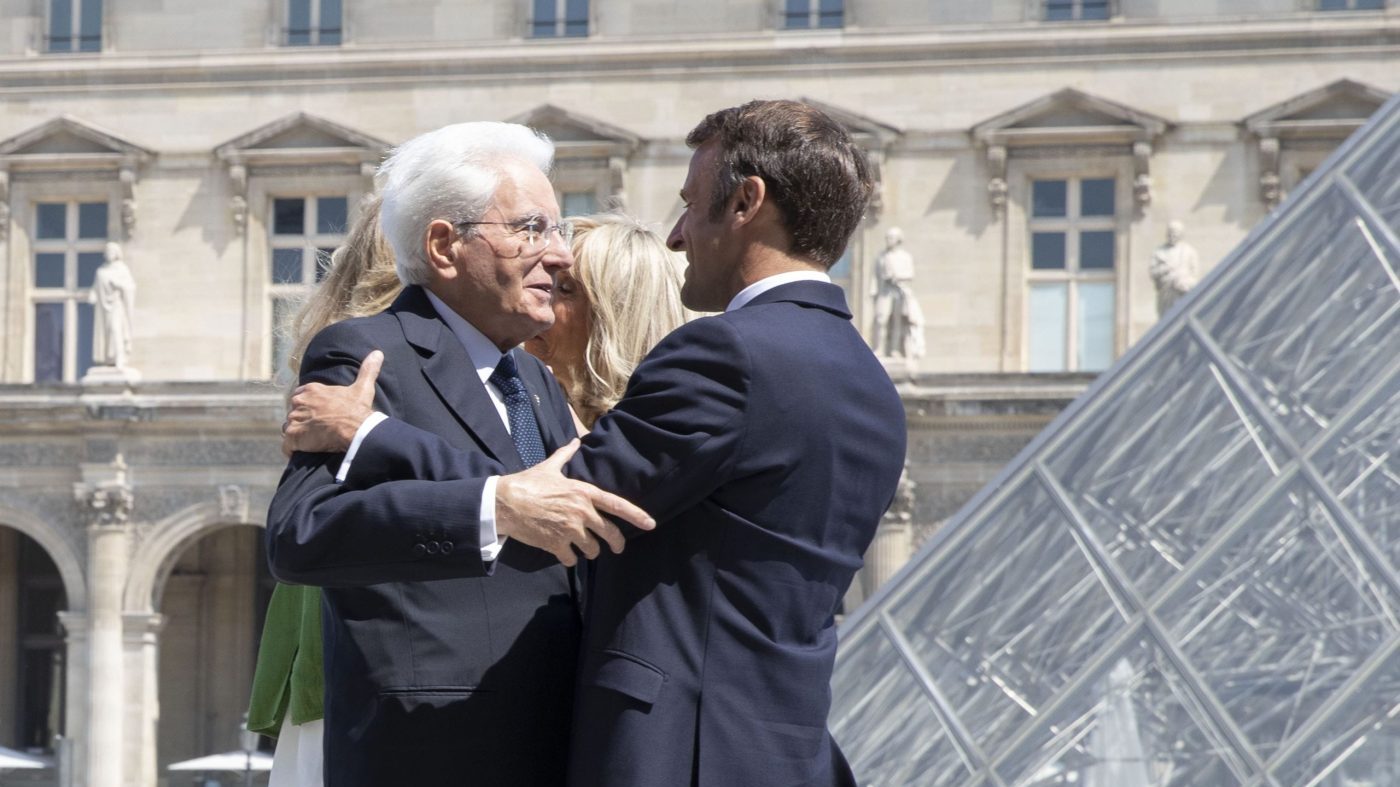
(298,758)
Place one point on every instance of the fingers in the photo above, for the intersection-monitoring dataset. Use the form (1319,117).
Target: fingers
(622,509)
(369,372)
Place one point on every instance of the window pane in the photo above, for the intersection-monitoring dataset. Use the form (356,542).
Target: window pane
(60,25)
(1096,250)
(91,30)
(88,263)
(1048,198)
(842,268)
(1048,308)
(1059,10)
(92,220)
(286,266)
(579,203)
(1048,250)
(323,262)
(298,22)
(1332,5)
(289,216)
(330,22)
(797,14)
(831,13)
(576,17)
(1093,9)
(48,342)
(1096,197)
(51,220)
(544,18)
(1370,5)
(1095,326)
(48,270)
(84,338)
(331,215)
(283,309)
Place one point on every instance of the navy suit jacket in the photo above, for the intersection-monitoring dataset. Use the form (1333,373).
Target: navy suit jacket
(439,668)
(767,442)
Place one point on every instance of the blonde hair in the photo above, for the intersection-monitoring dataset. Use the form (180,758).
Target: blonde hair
(361,281)
(632,284)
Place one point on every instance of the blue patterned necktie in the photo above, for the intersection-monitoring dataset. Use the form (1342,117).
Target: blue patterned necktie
(524,429)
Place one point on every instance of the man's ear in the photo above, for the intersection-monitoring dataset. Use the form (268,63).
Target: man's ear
(750,197)
(437,243)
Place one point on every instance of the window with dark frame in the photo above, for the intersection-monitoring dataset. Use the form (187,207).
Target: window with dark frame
(814,14)
(1071,284)
(1351,5)
(559,19)
(304,233)
(69,240)
(314,23)
(1076,10)
(74,26)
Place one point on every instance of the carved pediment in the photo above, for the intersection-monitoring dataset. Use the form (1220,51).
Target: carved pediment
(301,138)
(1332,111)
(297,140)
(576,135)
(68,143)
(1070,118)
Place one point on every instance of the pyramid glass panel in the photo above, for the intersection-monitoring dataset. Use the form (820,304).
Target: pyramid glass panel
(1190,577)
(1132,723)
(1006,626)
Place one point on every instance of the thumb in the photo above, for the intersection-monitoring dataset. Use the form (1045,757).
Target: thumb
(558,459)
(369,372)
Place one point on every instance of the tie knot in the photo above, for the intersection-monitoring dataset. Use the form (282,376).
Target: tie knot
(506,377)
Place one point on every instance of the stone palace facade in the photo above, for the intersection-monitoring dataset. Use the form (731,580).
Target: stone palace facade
(1033,153)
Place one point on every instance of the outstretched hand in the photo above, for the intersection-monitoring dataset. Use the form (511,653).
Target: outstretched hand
(543,508)
(324,418)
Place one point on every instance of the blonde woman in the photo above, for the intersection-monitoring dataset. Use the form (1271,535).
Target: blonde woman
(287,692)
(622,295)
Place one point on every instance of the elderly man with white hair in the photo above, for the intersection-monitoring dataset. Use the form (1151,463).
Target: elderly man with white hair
(451,636)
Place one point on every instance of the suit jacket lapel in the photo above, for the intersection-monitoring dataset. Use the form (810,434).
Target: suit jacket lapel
(450,372)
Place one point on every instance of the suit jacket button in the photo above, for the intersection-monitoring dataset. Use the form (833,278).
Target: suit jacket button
(433,547)
(447,547)
(419,550)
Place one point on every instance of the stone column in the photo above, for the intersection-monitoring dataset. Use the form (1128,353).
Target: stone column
(141,641)
(70,751)
(894,541)
(108,508)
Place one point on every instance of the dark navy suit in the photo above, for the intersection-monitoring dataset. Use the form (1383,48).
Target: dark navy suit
(767,442)
(440,669)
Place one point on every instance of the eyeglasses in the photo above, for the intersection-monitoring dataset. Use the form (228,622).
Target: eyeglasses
(536,230)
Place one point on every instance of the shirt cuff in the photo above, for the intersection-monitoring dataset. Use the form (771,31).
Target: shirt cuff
(372,421)
(490,543)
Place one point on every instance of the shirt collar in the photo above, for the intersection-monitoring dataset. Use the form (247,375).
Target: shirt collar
(481,350)
(776,280)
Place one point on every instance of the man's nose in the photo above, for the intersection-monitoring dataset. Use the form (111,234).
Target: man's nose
(674,241)
(557,256)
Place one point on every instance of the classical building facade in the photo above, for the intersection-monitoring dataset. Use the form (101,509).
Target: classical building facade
(1033,153)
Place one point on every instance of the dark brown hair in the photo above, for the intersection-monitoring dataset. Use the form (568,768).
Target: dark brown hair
(816,176)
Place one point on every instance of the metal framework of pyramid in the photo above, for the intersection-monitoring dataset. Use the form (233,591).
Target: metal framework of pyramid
(1191,577)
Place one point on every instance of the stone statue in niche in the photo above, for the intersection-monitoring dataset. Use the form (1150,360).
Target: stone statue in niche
(1175,268)
(899,322)
(114,293)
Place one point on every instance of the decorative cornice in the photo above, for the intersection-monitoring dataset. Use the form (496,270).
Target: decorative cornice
(903,49)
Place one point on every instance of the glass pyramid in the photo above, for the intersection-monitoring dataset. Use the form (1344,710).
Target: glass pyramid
(1192,577)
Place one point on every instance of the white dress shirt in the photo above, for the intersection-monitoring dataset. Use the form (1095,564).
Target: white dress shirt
(761,286)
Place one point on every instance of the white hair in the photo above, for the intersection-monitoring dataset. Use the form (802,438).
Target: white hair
(449,174)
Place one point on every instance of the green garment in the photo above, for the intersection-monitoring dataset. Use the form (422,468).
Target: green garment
(289,672)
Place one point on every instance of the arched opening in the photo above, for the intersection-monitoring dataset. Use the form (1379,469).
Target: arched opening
(214,600)
(32,670)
